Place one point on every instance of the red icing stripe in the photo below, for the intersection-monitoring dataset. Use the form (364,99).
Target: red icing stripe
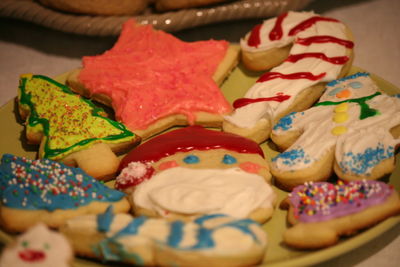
(277,31)
(254,38)
(292,76)
(308,23)
(241,102)
(325,39)
(322,56)
(188,139)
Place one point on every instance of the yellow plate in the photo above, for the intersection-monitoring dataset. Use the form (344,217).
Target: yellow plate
(278,255)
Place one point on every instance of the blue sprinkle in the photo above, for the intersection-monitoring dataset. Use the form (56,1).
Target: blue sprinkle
(228,159)
(191,159)
(285,123)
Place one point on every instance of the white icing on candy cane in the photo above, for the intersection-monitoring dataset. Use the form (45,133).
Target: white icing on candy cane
(353,118)
(319,51)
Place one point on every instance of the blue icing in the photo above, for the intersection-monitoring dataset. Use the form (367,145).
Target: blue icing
(285,123)
(111,250)
(335,91)
(354,76)
(201,220)
(133,227)
(228,159)
(49,185)
(292,157)
(356,85)
(397,96)
(362,163)
(176,234)
(191,159)
(104,220)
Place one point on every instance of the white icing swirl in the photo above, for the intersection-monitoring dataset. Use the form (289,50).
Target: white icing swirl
(204,191)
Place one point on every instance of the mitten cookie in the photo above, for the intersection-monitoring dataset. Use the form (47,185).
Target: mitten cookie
(194,171)
(211,240)
(38,246)
(154,81)
(69,128)
(349,131)
(46,191)
(306,51)
(322,212)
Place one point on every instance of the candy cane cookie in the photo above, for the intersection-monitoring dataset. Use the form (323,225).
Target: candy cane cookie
(210,240)
(321,212)
(71,129)
(306,51)
(49,192)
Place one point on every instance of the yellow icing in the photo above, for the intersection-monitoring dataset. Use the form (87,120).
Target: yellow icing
(340,117)
(343,107)
(339,130)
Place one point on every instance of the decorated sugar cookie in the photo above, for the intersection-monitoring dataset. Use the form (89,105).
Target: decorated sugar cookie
(39,246)
(70,129)
(321,212)
(350,131)
(154,81)
(209,240)
(46,191)
(194,171)
(305,51)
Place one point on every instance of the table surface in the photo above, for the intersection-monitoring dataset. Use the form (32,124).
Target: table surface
(28,48)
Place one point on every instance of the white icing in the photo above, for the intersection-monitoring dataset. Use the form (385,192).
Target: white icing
(248,116)
(38,239)
(316,126)
(204,191)
(134,170)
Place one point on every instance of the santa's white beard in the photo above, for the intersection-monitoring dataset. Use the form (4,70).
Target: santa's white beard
(204,191)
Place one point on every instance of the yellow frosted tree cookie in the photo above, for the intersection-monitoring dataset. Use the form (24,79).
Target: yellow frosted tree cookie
(69,128)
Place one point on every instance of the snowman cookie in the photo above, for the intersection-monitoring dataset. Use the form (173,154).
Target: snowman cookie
(39,246)
(352,131)
(194,171)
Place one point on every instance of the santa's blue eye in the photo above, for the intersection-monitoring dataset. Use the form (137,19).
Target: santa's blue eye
(228,159)
(191,159)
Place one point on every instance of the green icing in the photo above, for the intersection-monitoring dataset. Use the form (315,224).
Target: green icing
(366,111)
(68,121)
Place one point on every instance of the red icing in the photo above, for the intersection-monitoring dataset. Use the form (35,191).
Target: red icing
(151,74)
(334,60)
(277,32)
(292,76)
(325,39)
(254,38)
(132,180)
(308,23)
(241,102)
(30,255)
(188,139)
(250,167)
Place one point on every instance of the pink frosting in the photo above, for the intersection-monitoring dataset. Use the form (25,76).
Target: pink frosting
(151,74)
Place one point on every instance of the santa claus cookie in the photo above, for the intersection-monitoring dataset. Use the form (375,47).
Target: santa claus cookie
(209,240)
(154,81)
(322,212)
(39,246)
(69,128)
(193,171)
(350,131)
(306,51)
(46,191)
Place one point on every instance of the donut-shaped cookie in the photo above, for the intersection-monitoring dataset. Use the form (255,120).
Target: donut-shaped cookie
(322,212)
(306,51)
